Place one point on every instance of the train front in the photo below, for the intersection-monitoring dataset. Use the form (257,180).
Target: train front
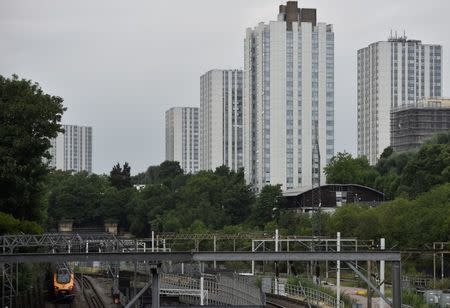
(63,284)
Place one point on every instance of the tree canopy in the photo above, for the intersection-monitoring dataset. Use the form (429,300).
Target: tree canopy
(395,174)
(406,223)
(344,169)
(120,177)
(29,118)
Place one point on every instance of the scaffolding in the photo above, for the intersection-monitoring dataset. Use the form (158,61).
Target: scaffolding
(412,125)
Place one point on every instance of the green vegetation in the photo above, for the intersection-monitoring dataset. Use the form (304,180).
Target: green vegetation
(119,177)
(221,201)
(414,299)
(397,174)
(9,224)
(404,223)
(87,199)
(171,202)
(344,169)
(29,118)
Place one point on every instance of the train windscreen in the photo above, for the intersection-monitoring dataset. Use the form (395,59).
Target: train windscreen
(63,276)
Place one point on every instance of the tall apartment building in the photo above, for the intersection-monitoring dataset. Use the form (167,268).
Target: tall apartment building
(221,119)
(72,150)
(391,74)
(288,99)
(182,131)
(413,124)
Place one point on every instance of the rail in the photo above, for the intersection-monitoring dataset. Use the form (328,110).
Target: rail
(90,294)
(310,295)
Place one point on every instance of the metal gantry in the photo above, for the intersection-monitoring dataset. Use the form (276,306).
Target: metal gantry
(113,249)
(439,248)
(54,243)
(8,289)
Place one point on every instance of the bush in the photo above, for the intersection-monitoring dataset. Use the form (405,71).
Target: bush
(11,225)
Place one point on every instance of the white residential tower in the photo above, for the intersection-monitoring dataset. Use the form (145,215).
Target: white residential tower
(288,99)
(221,119)
(72,150)
(392,74)
(182,137)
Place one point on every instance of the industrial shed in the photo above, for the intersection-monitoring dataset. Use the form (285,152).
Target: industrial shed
(331,196)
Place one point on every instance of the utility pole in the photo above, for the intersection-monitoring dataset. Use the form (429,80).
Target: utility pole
(316,199)
(382,271)
(369,291)
(338,272)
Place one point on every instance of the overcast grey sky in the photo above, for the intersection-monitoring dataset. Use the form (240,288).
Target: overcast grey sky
(120,64)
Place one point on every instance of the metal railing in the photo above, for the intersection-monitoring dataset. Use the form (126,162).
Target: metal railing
(217,289)
(414,282)
(310,295)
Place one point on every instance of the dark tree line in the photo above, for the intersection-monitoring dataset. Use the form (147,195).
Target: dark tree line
(397,174)
(173,201)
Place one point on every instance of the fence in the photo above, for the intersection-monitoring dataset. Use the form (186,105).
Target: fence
(219,290)
(416,282)
(310,295)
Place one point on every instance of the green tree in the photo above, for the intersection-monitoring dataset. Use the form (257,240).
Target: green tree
(147,208)
(29,118)
(79,197)
(344,169)
(120,177)
(429,167)
(11,225)
(167,172)
(268,205)
(169,169)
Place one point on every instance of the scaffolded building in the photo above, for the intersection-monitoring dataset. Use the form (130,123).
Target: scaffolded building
(412,125)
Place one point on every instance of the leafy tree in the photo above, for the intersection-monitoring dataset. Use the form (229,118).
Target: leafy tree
(29,118)
(164,173)
(268,205)
(430,167)
(120,177)
(79,197)
(386,153)
(11,225)
(439,138)
(344,169)
(114,204)
(147,208)
(169,169)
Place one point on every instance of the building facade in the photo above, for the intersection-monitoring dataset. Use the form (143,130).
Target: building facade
(72,150)
(413,124)
(182,137)
(392,74)
(221,133)
(288,99)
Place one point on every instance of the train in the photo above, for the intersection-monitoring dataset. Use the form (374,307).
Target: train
(62,283)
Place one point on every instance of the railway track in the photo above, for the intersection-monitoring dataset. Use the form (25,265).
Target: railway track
(90,294)
(277,301)
(272,304)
